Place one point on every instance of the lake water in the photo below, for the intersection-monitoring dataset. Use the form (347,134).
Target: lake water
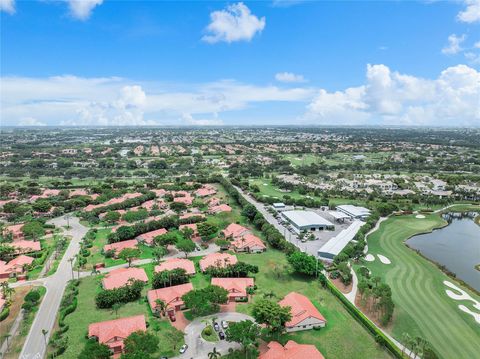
(456,246)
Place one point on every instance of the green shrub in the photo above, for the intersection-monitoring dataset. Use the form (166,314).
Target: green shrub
(4,314)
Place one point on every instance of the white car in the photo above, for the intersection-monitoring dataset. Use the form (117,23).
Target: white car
(184,348)
(224,324)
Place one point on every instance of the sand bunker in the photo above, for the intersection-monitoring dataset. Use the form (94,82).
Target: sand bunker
(369,257)
(265,184)
(420,216)
(463,296)
(383,259)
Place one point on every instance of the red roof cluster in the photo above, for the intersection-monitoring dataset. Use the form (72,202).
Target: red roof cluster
(174,263)
(291,350)
(217,260)
(119,246)
(119,277)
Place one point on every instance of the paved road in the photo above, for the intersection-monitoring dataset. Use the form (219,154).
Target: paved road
(199,348)
(34,346)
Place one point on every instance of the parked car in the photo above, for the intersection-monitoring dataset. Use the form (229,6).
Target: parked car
(221,335)
(224,324)
(172,317)
(216,326)
(183,349)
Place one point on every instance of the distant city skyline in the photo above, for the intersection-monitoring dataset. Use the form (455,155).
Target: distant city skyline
(158,63)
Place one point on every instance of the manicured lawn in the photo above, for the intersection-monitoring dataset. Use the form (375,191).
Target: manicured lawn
(422,306)
(87,313)
(343,337)
(212,337)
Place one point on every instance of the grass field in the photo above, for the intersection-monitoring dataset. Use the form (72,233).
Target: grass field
(343,337)
(422,306)
(87,313)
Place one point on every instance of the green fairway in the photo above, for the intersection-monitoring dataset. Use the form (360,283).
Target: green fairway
(343,337)
(422,306)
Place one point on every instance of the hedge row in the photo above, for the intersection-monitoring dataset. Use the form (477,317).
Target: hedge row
(131,202)
(379,336)
(122,234)
(4,314)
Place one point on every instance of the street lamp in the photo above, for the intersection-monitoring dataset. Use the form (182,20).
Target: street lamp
(67,218)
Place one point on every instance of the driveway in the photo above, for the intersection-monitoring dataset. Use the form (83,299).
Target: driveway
(199,348)
(34,346)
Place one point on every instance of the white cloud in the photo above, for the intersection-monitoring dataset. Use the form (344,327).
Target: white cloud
(454,44)
(30,121)
(8,6)
(393,98)
(71,100)
(477,45)
(289,77)
(235,23)
(471,13)
(82,9)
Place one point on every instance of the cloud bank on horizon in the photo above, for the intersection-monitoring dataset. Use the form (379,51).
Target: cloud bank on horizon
(386,96)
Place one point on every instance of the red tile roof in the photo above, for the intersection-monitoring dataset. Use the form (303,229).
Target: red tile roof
(291,350)
(119,277)
(149,236)
(186,199)
(220,208)
(248,241)
(205,191)
(235,230)
(302,308)
(172,296)
(26,246)
(173,263)
(217,260)
(114,332)
(119,246)
(236,287)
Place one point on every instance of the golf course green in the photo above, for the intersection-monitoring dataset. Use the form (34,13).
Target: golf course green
(422,306)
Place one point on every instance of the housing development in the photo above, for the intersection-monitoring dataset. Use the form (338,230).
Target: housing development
(274,179)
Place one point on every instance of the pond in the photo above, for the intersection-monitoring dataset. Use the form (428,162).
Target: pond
(456,246)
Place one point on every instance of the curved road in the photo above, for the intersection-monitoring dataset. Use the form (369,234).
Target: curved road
(199,348)
(34,346)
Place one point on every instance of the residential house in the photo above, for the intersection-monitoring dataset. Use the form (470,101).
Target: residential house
(291,350)
(174,263)
(113,332)
(119,277)
(235,231)
(171,296)
(120,246)
(147,238)
(237,287)
(248,243)
(304,314)
(218,260)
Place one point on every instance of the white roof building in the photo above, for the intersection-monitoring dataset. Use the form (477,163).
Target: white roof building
(354,211)
(335,245)
(307,220)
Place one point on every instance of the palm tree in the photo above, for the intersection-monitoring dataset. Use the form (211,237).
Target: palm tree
(161,305)
(214,354)
(406,341)
(71,260)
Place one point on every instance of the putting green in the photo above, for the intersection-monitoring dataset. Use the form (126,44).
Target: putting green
(422,306)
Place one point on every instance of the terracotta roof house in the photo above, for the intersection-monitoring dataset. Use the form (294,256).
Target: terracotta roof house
(26,246)
(147,238)
(220,208)
(119,277)
(159,192)
(217,260)
(214,202)
(186,199)
(205,191)
(291,350)
(304,314)
(113,332)
(193,227)
(16,267)
(173,263)
(236,287)
(248,243)
(119,246)
(188,215)
(234,231)
(172,296)
(15,230)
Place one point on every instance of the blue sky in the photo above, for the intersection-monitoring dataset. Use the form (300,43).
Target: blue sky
(94,62)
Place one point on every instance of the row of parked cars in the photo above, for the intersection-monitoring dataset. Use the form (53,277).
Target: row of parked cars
(217,327)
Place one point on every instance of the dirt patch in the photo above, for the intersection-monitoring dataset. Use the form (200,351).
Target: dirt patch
(367,309)
(17,302)
(345,289)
